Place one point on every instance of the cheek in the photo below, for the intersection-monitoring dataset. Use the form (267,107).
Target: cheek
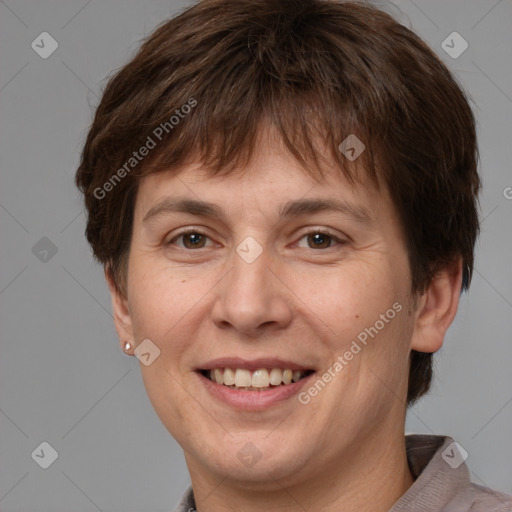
(349,299)
(158,299)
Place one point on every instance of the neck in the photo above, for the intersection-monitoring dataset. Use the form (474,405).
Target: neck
(371,478)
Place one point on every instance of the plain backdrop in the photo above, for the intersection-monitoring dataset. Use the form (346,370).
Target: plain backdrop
(63,377)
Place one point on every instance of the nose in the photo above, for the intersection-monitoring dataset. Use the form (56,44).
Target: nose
(252,298)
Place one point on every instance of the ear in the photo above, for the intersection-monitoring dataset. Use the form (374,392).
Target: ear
(436,308)
(122,317)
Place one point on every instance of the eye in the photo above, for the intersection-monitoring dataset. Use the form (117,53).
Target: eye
(321,239)
(192,239)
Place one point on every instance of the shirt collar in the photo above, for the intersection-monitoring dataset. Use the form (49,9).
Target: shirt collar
(439,470)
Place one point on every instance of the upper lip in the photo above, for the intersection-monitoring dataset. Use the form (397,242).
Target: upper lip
(252,364)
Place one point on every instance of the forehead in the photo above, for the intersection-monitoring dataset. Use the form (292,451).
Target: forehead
(273,177)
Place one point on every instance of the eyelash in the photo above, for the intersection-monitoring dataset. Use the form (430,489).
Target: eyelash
(189,231)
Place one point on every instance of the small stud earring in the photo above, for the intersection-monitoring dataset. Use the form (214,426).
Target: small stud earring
(127,346)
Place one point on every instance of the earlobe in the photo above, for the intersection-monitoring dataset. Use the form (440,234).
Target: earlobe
(122,316)
(436,308)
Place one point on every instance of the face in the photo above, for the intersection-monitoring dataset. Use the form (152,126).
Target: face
(269,288)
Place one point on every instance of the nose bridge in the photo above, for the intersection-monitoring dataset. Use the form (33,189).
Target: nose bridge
(250,295)
(248,279)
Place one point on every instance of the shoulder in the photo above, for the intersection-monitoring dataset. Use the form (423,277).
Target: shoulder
(489,500)
(443,481)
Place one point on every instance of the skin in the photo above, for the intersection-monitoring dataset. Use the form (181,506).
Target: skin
(295,302)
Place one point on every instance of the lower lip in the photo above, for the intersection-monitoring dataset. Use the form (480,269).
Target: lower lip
(253,400)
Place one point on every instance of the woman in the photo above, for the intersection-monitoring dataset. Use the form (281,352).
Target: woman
(283,196)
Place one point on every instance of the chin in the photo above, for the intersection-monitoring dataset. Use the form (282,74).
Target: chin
(257,461)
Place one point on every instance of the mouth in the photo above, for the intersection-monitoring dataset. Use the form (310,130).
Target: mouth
(253,384)
(260,379)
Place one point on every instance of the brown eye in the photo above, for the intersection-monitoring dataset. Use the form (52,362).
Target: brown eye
(319,240)
(192,239)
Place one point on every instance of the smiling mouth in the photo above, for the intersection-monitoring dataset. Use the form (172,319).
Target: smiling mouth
(257,380)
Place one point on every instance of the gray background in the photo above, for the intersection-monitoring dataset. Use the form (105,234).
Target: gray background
(63,378)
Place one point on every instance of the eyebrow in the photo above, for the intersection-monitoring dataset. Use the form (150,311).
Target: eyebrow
(290,209)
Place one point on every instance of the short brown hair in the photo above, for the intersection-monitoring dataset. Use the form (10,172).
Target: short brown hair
(314,70)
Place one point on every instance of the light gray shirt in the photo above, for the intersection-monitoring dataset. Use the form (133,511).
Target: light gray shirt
(441,481)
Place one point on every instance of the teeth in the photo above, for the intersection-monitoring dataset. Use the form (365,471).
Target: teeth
(242,378)
(218,376)
(276,376)
(262,378)
(229,377)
